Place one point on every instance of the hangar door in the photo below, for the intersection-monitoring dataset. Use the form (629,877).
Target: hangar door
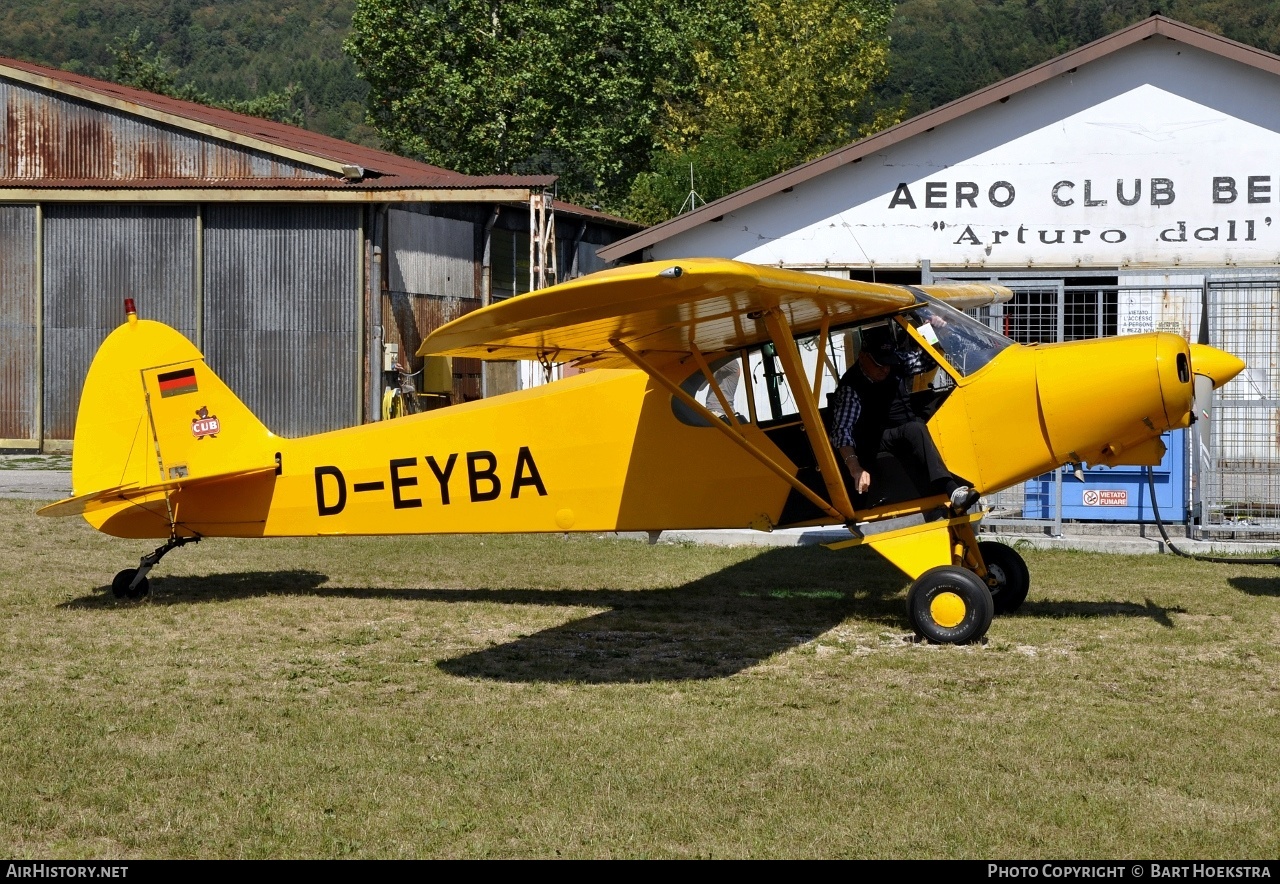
(18,370)
(95,256)
(431,280)
(282,309)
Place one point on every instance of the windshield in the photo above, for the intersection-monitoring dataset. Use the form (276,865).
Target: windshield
(963,341)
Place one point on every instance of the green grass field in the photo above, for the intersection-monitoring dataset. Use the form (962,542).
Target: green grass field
(588,697)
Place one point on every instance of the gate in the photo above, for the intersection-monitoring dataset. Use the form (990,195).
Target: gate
(1236,453)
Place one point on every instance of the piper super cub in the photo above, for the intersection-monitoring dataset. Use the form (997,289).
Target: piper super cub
(164,449)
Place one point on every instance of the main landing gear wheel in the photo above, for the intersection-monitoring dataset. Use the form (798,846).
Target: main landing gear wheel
(1007,575)
(949,605)
(120,585)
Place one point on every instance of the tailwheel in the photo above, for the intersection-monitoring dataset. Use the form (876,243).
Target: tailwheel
(950,605)
(132,583)
(122,588)
(1007,576)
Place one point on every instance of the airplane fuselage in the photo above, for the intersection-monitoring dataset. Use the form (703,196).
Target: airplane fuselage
(604,450)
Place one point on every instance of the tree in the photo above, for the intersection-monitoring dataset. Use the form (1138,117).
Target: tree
(147,68)
(573,88)
(943,49)
(599,93)
(801,73)
(718,164)
(795,84)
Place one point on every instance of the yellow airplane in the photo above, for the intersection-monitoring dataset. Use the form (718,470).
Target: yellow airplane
(163,449)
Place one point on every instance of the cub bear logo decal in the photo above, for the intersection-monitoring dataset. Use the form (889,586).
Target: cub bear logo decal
(205,424)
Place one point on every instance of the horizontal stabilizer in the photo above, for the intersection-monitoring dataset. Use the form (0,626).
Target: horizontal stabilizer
(110,497)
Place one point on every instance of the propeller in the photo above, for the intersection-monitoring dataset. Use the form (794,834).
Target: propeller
(1202,397)
(1211,368)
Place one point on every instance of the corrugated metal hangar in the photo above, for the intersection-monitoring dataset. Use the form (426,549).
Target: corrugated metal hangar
(1128,186)
(289,258)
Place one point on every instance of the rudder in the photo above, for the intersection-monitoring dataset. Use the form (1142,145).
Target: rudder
(152,411)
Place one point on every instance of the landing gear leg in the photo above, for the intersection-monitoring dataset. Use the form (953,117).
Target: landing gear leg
(953,603)
(949,601)
(132,583)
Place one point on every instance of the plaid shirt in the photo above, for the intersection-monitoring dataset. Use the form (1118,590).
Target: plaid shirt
(846,409)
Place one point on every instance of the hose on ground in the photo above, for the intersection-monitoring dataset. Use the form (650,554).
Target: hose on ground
(1232,560)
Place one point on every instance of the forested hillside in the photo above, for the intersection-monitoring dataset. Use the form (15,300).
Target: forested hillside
(943,49)
(241,49)
(229,49)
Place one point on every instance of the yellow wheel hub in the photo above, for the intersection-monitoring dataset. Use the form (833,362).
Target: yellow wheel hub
(947,610)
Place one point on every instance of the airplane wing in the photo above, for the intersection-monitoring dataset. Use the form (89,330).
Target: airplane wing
(665,306)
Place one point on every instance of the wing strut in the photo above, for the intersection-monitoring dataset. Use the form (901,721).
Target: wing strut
(789,356)
(778,469)
(824,337)
(729,413)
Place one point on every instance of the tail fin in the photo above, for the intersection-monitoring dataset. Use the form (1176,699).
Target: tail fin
(153,417)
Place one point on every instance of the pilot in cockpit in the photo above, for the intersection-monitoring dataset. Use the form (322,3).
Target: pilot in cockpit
(873,413)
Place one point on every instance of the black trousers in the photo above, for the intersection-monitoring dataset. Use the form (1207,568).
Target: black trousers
(912,445)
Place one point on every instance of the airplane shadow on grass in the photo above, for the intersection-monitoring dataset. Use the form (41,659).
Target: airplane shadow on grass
(180,590)
(1259,586)
(1060,610)
(711,627)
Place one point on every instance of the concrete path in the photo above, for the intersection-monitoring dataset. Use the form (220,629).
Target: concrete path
(35,476)
(35,484)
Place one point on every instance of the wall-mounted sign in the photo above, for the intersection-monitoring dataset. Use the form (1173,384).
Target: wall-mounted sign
(1106,497)
(1146,177)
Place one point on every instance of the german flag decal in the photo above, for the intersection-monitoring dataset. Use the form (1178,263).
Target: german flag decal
(176,383)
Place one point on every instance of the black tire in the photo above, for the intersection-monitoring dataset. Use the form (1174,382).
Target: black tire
(950,606)
(120,585)
(1007,576)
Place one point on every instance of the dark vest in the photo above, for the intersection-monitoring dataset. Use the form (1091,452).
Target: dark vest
(885,404)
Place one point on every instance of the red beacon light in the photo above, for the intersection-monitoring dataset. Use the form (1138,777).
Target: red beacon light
(130,311)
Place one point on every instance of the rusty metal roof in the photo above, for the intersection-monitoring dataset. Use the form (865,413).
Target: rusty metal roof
(307,159)
(374,183)
(1155,26)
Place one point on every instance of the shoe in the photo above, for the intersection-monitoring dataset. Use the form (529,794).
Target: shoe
(962,499)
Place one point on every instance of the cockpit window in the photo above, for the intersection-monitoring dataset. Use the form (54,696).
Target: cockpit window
(963,341)
(728,373)
(758,391)
(754,383)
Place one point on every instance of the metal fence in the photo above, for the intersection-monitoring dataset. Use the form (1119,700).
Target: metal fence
(1239,491)
(1223,479)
